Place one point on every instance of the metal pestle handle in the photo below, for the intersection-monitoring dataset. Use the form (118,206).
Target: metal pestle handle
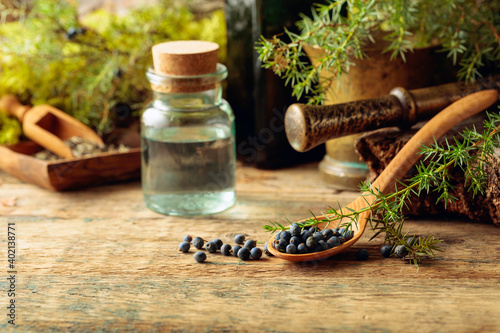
(307,126)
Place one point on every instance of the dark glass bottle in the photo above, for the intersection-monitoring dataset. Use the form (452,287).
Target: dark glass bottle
(258,97)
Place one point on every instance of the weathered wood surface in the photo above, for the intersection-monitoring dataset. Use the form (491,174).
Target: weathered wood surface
(99,260)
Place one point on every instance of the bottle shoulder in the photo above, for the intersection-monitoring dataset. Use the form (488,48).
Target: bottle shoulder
(161,115)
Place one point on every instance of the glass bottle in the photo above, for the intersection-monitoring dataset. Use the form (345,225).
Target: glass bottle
(188,145)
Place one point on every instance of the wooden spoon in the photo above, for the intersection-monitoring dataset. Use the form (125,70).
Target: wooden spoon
(48,126)
(399,166)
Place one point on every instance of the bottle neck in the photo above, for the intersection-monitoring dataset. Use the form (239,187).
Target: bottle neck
(188,100)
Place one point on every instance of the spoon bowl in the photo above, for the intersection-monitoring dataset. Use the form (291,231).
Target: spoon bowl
(397,168)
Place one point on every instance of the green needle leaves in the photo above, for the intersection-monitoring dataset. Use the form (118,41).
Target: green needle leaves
(467,31)
(470,152)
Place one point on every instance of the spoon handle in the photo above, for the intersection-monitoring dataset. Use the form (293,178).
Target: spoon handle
(11,104)
(432,130)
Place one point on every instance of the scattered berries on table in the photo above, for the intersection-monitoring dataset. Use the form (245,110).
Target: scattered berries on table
(225,249)
(244,253)
(219,243)
(400,251)
(386,251)
(239,239)
(184,247)
(411,240)
(236,248)
(200,256)
(211,247)
(362,255)
(250,244)
(198,242)
(256,253)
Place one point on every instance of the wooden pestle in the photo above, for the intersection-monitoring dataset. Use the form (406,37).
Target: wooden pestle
(307,126)
(48,126)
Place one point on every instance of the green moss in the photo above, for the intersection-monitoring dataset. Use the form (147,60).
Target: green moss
(10,130)
(79,75)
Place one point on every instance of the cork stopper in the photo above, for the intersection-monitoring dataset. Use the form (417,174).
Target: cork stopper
(185,58)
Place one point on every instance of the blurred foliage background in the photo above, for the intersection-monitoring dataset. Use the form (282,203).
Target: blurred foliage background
(91,62)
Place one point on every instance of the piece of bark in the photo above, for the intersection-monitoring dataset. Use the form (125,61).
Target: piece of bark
(379,147)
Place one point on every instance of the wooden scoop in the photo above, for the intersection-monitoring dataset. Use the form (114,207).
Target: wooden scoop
(48,126)
(399,166)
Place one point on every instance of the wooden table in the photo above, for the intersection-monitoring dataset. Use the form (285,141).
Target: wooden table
(99,260)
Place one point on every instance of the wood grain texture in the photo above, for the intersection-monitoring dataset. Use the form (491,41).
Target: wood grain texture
(99,260)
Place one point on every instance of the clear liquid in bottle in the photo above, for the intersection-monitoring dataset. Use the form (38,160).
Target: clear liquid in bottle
(188,170)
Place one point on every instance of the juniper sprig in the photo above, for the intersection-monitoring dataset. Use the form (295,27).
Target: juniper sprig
(470,153)
(466,30)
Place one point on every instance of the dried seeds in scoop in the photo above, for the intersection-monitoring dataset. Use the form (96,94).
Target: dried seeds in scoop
(82,148)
